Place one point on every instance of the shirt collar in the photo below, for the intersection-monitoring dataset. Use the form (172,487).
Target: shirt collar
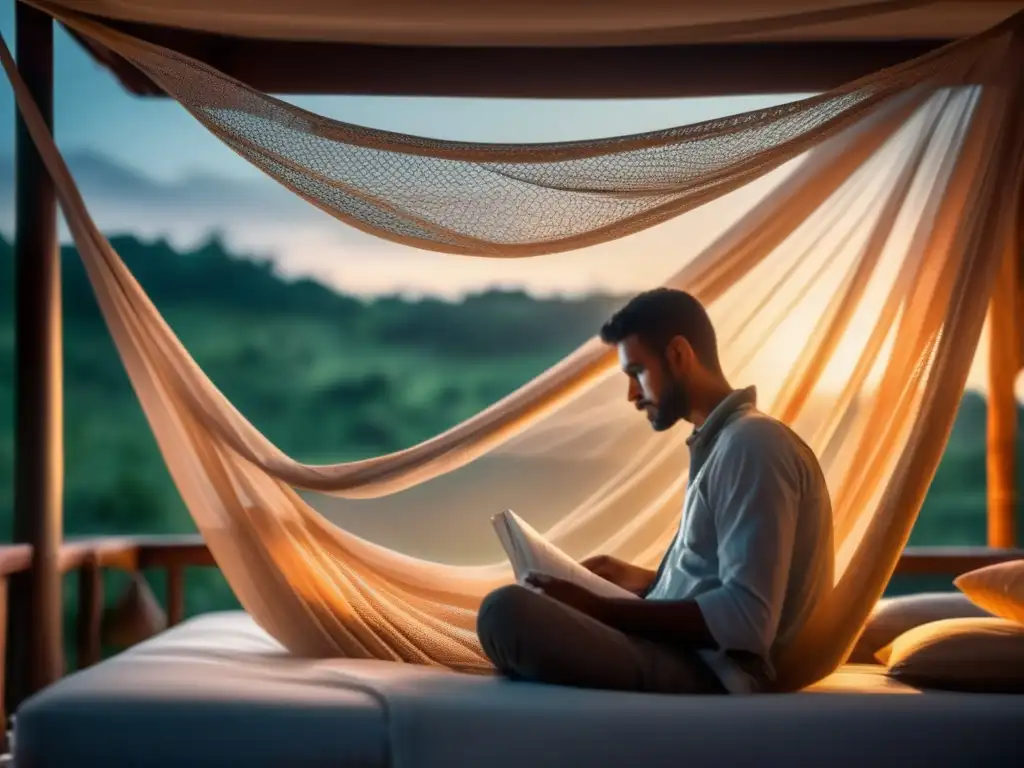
(733,402)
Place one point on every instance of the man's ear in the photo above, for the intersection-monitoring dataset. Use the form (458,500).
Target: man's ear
(679,354)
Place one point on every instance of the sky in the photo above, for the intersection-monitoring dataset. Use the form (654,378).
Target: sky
(159,141)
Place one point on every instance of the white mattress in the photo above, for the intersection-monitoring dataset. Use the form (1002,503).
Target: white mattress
(217,691)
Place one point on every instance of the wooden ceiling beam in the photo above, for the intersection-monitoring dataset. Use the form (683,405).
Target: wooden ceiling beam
(304,68)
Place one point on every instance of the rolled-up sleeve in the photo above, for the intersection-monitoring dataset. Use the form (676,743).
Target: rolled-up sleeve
(753,495)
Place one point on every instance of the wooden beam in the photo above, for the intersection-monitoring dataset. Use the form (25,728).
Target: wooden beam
(36,646)
(114,552)
(1003,366)
(621,72)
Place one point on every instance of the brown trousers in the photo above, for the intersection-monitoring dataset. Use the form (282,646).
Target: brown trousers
(529,636)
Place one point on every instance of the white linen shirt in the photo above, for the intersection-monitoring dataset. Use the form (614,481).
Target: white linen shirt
(755,544)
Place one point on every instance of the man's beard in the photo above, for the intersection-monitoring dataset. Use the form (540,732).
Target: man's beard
(673,405)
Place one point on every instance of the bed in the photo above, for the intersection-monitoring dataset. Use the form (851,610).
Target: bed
(217,690)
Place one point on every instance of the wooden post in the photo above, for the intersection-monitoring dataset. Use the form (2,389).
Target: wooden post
(1004,359)
(175,594)
(90,613)
(36,648)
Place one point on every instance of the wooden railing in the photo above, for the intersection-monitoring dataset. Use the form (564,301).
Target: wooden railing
(90,557)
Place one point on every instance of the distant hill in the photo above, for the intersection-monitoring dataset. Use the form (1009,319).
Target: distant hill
(212,278)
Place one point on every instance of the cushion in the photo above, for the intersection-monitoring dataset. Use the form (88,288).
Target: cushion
(893,616)
(979,655)
(999,589)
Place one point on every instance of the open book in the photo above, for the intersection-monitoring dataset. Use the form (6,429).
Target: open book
(528,552)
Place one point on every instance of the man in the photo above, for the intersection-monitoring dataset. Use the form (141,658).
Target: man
(752,558)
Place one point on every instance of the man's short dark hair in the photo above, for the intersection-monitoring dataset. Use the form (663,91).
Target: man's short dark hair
(657,316)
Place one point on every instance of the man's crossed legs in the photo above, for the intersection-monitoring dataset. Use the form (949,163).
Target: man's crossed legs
(529,636)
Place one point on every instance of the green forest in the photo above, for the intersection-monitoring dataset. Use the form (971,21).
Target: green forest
(327,377)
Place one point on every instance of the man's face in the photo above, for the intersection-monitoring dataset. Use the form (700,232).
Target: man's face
(653,387)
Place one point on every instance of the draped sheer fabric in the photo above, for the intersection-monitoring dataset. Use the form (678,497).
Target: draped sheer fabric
(872,258)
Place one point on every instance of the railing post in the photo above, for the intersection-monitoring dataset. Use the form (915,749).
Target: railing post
(90,613)
(175,594)
(36,648)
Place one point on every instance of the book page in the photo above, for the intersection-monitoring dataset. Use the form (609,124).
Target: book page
(529,551)
(508,542)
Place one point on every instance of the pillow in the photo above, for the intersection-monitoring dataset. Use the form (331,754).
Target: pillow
(893,616)
(977,655)
(999,589)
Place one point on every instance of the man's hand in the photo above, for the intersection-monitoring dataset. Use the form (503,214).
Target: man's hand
(569,594)
(631,578)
